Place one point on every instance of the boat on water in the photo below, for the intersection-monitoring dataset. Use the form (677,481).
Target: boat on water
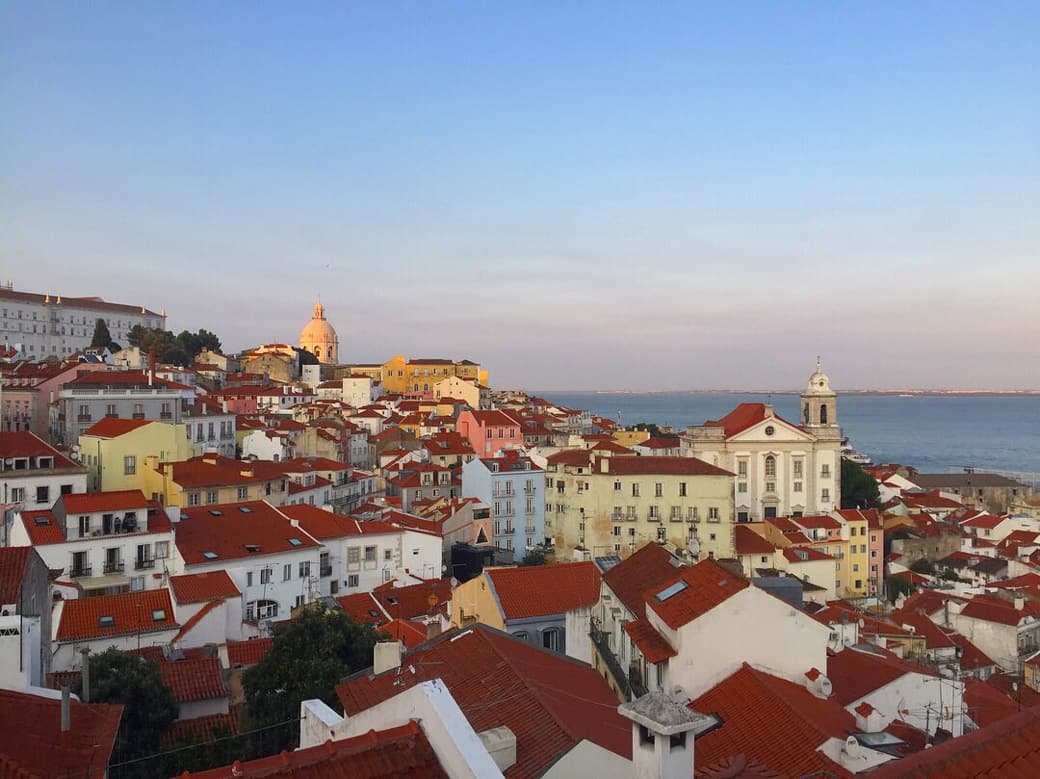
(852,455)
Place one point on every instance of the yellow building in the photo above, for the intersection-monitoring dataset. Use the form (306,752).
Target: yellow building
(319,337)
(114,451)
(858,561)
(615,505)
(213,479)
(630,438)
(401,375)
(474,601)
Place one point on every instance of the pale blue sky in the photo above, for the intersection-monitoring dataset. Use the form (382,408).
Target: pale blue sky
(577,195)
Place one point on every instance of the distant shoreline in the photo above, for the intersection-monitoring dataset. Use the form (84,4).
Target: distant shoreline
(881,393)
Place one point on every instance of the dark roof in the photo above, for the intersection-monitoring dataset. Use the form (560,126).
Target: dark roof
(936,480)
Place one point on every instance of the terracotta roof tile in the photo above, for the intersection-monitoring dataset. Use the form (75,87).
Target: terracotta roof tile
(411,634)
(991,609)
(93,502)
(650,465)
(229,533)
(26,444)
(550,702)
(202,729)
(750,542)
(32,745)
(856,673)
(113,427)
(648,567)
(772,721)
(694,592)
(652,644)
(147,611)
(414,600)
(13,562)
(203,587)
(362,607)
(193,680)
(403,751)
(247,653)
(541,590)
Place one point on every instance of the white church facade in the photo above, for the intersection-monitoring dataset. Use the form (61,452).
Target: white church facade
(782,468)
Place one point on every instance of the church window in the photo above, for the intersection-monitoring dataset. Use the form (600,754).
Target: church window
(823,414)
(770,465)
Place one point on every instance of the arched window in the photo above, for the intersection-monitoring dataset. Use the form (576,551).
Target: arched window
(317,352)
(805,414)
(823,414)
(521,634)
(770,465)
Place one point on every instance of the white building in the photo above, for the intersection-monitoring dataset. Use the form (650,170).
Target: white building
(104,542)
(33,474)
(270,560)
(781,468)
(53,325)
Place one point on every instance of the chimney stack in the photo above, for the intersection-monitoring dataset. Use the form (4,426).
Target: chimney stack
(151,366)
(387,656)
(85,675)
(66,709)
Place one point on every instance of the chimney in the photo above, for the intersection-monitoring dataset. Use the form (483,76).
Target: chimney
(1020,603)
(818,684)
(433,629)
(85,675)
(663,730)
(66,709)
(604,465)
(868,719)
(386,657)
(769,412)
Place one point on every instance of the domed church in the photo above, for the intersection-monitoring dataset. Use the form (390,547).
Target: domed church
(319,337)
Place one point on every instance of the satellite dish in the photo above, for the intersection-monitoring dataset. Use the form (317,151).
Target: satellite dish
(852,747)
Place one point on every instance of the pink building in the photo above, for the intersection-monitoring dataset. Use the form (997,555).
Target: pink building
(29,390)
(489,432)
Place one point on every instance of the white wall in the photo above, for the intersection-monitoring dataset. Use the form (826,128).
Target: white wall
(924,702)
(576,628)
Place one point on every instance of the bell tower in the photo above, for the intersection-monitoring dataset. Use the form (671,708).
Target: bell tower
(820,406)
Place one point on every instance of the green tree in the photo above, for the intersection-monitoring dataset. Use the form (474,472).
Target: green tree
(923,566)
(535,557)
(102,338)
(897,586)
(859,490)
(649,427)
(311,653)
(175,354)
(134,681)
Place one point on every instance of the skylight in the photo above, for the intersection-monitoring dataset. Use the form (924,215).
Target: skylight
(245,509)
(216,513)
(107,621)
(670,590)
(159,615)
(295,542)
(252,548)
(210,555)
(42,521)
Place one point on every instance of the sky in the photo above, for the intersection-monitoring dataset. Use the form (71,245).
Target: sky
(581,195)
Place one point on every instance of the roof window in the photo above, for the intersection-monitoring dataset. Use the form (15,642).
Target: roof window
(159,615)
(245,509)
(107,621)
(210,555)
(216,513)
(295,542)
(252,548)
(670,590)
(41,521)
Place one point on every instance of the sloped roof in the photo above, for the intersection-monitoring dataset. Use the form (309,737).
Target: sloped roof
(991,609)
(652,644)
(666,466)
(856,673)
(744,416)
(25,444)
(646,568)
(403,751)
(776,723)
(193,680)
(247,653)
(414,600)
(750,542)
(707,584)
(230,533)
(146,611)
(13,561)
(32,745)
(203,587)
(542,590)
(1008,749)
(93,502)
(113,427)
(549,701)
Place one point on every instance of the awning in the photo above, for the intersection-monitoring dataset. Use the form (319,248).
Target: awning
(101,582)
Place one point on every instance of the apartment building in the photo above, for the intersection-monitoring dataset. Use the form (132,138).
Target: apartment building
(514,486)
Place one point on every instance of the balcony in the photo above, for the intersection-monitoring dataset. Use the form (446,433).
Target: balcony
(79,571)
(114,566)
(83,418)
(528,490)
(137,415)
(653,516)
(144,564)
(529,529)
(165,415)
(627,684)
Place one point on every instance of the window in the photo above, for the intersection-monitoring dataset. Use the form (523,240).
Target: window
(742,468)
(305,569)
(617,530)
(635,490)
(136,583)
(162,550)
(770,465)
(370,554)
(243,493)
(249,578)
(825,495)
(193,498)
(286,572)
(617,485)
(298,602)
(353,555)
(43,494)
(713,514)
(129,465)
(265,575)
(388,554)
(110,410)
(825,471)
(211,496)
(796,468)
(770,486)
(551,639)
(682,489)
(658,490)
(352,580)
(742,516)
(84,526)
(797,486)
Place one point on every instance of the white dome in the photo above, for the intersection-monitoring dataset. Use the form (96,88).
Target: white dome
(819,383)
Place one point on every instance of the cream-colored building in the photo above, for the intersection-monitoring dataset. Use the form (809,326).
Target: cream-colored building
(114,451)
(782,469)
(615,505)
(319,337)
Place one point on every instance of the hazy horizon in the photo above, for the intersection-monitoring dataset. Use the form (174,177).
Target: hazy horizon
(612,196)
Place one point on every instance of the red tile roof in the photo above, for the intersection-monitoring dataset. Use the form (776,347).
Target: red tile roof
(203,587)
(403,751)
(749,542)
(202,729)
(775,722)
(707,584)
(550,702)
(131,612)
(411,634)
(1008,749)
(95,502)
(805,554)
(414,600)
(229,533)
(744,416)
(492,418)
(933,635)
(32,745)
(193,680)
(648,567)
(987,521)
(972,658)
(817,522)
(991,609)
(651,465)
(113,427)
(855,673)
(26,444)
(247,653)
(13,562)
(986,704)
(362,607)
(652,644)
(542,590)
